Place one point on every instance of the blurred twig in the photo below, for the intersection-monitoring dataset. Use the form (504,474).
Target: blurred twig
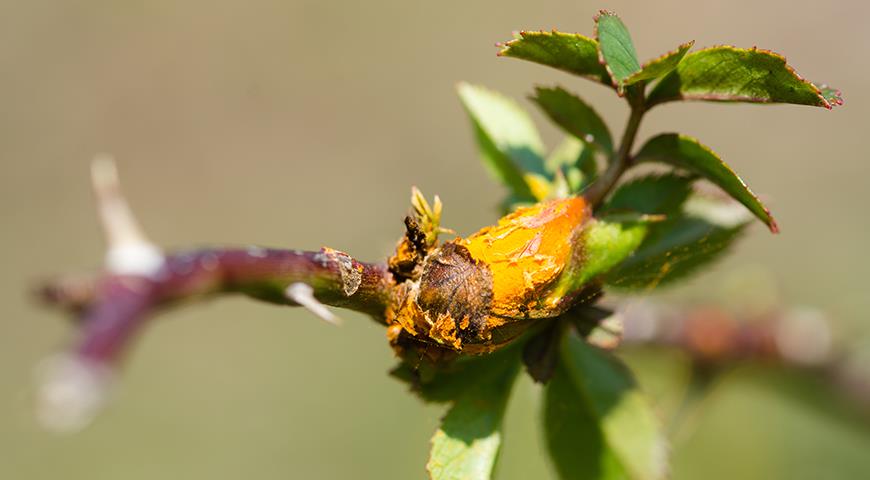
(715,339)
(140,279)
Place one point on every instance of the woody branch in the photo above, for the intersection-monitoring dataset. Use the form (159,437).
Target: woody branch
(139,279)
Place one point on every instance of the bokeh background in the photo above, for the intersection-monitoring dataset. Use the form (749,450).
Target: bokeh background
(304,123)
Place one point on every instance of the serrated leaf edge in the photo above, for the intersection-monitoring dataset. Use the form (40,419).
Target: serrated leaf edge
(769,221)
(685,47)
(614,83)
(837,99)
(726,98)
(506,46)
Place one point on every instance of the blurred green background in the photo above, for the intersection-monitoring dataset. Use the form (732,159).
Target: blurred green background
(304,123)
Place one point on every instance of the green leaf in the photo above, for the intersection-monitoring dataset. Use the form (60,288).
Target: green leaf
(606,243)
(563,163)
(566,154)
(730,74)
(651,194)
(576,162)
(575,442)
(574,116)
(598,425)
(588,167)
(541,352)
(681,245)
(616,48)
(569,52)
(466,445)
(509,142)
(687,153)
(661,66)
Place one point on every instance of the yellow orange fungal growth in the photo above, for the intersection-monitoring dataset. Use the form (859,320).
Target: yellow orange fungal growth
(494,279)
(526,252)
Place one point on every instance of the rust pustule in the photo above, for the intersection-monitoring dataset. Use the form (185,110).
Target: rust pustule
(475,294)
(456,286)
(411,251)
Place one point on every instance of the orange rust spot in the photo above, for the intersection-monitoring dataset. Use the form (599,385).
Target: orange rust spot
(464,323)
(527,250)
(475,295)
(444,331)
(404,254)
(411,317)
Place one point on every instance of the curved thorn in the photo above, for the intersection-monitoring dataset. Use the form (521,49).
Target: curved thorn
(129,250)
(303,294)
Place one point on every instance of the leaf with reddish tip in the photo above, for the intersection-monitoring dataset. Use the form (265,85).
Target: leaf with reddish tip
(575,116)
(569,52)
(615,48)
(687,153)
(730,74)
(661,66)
(832,95)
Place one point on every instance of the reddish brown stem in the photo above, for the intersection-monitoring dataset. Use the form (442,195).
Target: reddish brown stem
(121,304)
(620,161)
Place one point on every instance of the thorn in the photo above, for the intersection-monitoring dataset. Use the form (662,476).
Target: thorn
(71,392)
(129,250)
(117,218)
(303,294)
